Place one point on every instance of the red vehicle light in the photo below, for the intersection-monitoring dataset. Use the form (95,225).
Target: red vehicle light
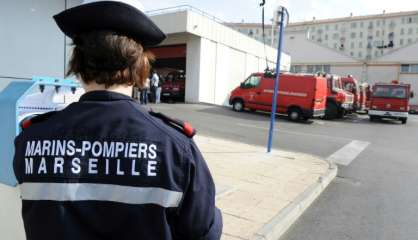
(340,97)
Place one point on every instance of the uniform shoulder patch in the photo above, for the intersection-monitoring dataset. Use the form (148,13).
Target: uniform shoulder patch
(181,126)
(29,121)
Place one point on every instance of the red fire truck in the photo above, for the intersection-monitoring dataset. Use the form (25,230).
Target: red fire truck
(351,85)
(339,101)
(173,87)
(300,96)
(390,100)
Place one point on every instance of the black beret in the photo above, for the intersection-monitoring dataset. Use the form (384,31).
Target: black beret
(113,16)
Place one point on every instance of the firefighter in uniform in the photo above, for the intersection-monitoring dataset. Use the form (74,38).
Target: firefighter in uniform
(104,167)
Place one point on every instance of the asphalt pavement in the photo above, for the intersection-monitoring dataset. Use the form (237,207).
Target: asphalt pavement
(376,191)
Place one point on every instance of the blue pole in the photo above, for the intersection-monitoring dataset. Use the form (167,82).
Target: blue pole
(276,82)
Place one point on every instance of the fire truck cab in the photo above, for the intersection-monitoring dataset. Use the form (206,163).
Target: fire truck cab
(339,101)
(351,85)
(391,101)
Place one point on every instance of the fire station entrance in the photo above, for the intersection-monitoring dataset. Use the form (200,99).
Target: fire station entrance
(170,66)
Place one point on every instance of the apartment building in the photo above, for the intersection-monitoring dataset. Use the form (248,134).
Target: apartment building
(361,37)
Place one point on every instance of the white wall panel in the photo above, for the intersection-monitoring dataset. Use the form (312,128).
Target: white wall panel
(413,80)
(193,69)
(382,73)
(207,71)
(223,74)
(30,42)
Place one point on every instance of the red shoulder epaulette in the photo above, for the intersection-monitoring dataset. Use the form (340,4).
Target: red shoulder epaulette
(30,120)
(183,127)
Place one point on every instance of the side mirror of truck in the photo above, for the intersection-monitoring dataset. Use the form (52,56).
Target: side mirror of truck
(242,85)
(412,95)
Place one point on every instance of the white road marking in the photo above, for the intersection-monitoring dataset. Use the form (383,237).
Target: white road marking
(294,133)
(345,155)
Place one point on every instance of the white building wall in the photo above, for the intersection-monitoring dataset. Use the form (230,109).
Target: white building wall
(221,69)
(193,69)
(37,48)
(413,80)
(207,86)
(344,70)
(382,73)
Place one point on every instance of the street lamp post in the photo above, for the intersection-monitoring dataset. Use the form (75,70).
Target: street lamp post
(281,14)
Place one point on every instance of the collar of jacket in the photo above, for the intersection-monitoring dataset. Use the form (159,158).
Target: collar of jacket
(104,96)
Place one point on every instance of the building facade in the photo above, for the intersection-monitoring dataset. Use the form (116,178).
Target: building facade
(361,37)
(312,57)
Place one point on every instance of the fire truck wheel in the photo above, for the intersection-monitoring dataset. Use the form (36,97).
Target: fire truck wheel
(294,114)
(238,105)
(404,120)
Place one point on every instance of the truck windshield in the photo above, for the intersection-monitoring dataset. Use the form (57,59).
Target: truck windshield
(252,82)
(390,92)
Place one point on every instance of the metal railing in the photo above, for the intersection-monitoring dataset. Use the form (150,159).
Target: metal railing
(184,8)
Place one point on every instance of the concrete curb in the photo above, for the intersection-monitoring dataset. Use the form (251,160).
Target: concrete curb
(279,224)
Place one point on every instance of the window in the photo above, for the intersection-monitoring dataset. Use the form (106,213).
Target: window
(326,37)
(390,92)
(320,31)
(354,25)
(360,54)
(352,54)
(403,20)
(326,27)
(312,37)
(319,68)
(409,68)
(252,82)
(336,27)
(404,68)
(352,46)
(401,42)
(409,40)
(353,35)
(409,20)
(410,30)
(361,24)
(402,31)
(391,35)
(335,36)
(360,44)
(377,33)
(296,69)
(376,53)
(310,69)
(361,34)
(378,23)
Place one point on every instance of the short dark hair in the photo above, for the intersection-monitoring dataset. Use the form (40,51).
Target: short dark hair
(107,58)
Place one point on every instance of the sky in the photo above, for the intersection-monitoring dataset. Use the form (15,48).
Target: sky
(299,10)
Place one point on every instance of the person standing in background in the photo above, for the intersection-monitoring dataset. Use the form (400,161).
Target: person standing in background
(154,85)
(158,91)
(144,92)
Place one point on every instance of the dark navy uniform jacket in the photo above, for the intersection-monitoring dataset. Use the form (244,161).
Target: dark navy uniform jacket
(104,168)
